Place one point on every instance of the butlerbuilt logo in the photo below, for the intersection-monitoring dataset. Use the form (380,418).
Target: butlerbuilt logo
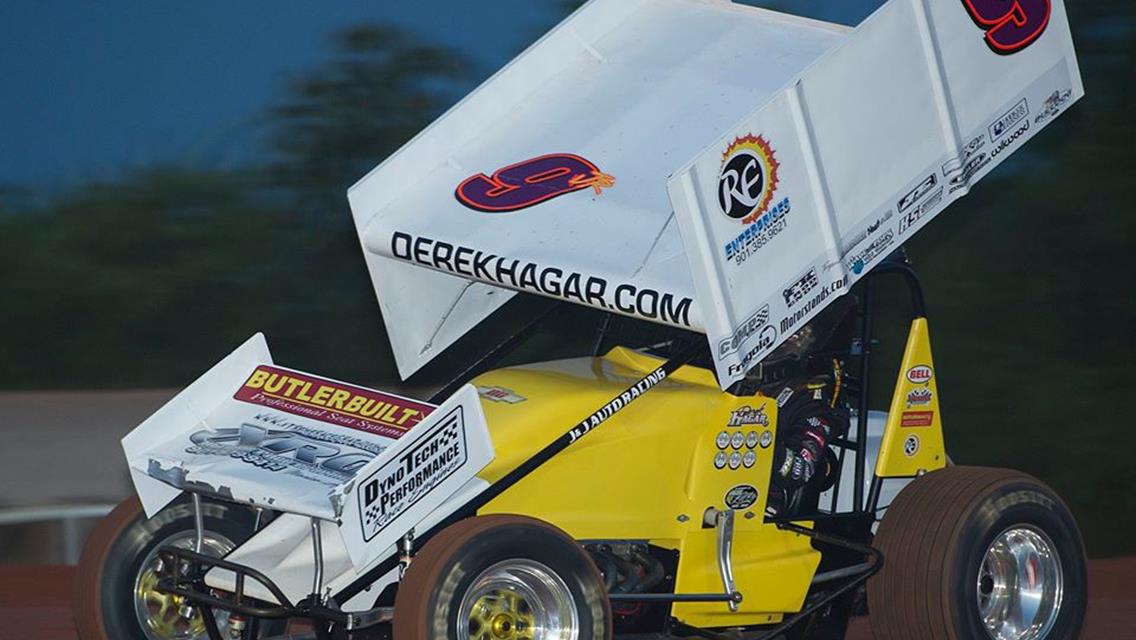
(748,178)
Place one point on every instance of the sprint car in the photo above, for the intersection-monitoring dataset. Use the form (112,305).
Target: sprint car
(638,490)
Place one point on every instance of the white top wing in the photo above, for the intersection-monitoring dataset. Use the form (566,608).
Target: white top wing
(827,148)
(633,88)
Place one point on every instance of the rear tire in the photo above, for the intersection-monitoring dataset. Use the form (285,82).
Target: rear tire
(962,544)
(501,577)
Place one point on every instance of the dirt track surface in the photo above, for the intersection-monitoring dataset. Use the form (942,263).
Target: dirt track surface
(35,603)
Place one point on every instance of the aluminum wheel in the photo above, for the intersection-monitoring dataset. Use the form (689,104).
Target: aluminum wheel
(1020,585)
(518,600)
(163,616)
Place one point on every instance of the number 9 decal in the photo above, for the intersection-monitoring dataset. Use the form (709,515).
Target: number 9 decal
(1010,25)
(522,185)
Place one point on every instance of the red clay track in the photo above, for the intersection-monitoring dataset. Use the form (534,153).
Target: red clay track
(35,603)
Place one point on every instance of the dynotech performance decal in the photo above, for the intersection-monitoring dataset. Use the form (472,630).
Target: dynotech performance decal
(554,282)
(531,182)
(403,481)
(332,402)
(1010,25)
(746,186)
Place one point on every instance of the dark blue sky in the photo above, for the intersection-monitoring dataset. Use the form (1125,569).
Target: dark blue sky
(95,88)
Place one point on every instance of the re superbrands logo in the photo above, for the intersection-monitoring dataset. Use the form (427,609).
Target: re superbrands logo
(747,184)
(748,178)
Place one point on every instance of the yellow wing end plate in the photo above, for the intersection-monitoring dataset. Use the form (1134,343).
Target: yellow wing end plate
(913,435)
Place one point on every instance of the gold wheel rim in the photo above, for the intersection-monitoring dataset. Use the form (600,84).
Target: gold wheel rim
(165,619)
(160,614)
(501,614)
(518,599)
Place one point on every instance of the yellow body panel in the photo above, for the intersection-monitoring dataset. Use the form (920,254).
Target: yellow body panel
(913,436)
(650,472)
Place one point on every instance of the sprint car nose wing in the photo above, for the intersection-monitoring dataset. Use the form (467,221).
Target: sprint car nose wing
(255,433)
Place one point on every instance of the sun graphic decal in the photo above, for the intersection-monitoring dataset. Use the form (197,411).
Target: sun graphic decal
(748,178)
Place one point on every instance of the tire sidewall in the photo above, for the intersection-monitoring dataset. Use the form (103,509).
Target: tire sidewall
(124,559)
(562,556)
(1020,505)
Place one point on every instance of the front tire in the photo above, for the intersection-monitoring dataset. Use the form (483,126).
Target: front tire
(115,598)
(502,577)
(978,553)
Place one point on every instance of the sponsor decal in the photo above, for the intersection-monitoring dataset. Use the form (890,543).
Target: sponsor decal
(749,458)
(741,497)
(500,394)
(735,460)
(797,291)
(531,182)
(859,261)
(919,397)
(738,440)
(332,402)
(746,187)
(959,177)
(908,220)
(616,404)
(916,194)
(871,229)
(784,396)
(916,418)
(766,439)
(1052,105)
(1008,120)
(272,442)
(765,341)
(1009,140)
(791,320)
(1009,27)
(553,282)
(920,374)
(748,416)
(748,178)
(742,333)
(968,151)
(720,460)
(403,481)
(723,440)
(757,235)
(911,445)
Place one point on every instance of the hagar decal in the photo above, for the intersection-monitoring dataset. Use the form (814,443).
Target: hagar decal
(1010,25)
(747,416)
(531,182)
